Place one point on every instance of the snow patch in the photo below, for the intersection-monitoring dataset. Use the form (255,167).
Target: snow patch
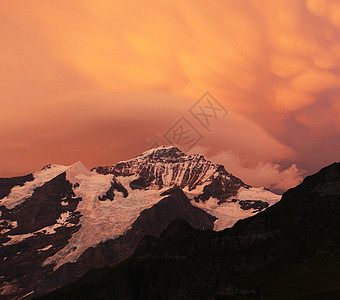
(102,220)
(76,170)
(258,194)
(19,194)
(26,295)
(151,151)
(228,213)
(62,221)
(146,154)
(7,223)
(46,248)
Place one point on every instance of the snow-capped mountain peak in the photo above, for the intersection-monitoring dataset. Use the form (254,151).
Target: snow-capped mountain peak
(168,166)
(76,171)
(161,153)
(163,150)
(65,213)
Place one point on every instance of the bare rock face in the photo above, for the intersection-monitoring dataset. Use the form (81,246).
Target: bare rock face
(58,223)
(110,194)
(168,166)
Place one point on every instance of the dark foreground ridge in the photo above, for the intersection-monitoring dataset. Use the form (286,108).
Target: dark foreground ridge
(289,251)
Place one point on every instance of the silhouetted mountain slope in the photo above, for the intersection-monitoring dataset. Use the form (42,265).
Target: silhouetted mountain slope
(289,251)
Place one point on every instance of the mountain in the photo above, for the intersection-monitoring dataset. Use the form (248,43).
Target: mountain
(58,223)
(289,251)
(212,188)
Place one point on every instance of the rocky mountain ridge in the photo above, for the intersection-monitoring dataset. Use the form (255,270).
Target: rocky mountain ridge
(59,222)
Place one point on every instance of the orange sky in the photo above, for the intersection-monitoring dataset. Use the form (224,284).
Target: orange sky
(101,81)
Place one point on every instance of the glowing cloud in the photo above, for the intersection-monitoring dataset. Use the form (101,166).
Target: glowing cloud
(273,62)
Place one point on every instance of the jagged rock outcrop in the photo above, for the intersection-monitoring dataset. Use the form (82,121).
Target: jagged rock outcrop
(168,166)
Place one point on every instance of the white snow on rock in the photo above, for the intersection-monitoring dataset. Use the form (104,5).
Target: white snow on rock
(62,221)
(146,154)
(7,223)
(102,220)
(19,194)
(228,213)
(151,151)
(46,248)
(258,194)
(77,169)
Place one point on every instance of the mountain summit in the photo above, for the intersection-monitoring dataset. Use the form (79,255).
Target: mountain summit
(209,185)
(59,222)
